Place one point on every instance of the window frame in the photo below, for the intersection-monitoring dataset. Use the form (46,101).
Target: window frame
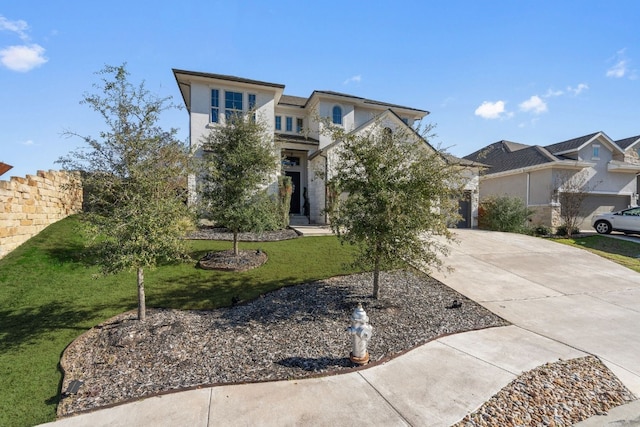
(336,119)
(235,101)
(278,123)
(288,124)
(214,116)
(299,124)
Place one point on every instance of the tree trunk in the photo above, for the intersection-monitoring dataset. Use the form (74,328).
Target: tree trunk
(235,243)
(376,277)
(142,305)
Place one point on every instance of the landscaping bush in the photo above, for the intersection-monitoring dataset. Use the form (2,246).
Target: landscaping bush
(563,230)
(504,213)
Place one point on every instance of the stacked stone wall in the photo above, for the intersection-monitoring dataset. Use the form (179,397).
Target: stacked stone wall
(30,204)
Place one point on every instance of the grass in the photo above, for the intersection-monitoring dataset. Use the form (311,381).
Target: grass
(49,296)
(623,252)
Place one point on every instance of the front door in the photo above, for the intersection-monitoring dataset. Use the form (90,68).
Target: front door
(295,194)
(464,209)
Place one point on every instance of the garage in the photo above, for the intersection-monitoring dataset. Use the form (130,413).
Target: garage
(596,204)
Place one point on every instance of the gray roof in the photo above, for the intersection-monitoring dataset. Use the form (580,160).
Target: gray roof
(501,156)
(296,101)
(367,101)
(504,156)
(571,144)
(625,143)
(226,77)
(299,139)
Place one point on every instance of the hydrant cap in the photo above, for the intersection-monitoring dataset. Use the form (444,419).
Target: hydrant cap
(359,315)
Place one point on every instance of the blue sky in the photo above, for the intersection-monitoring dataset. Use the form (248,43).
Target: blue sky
(535,72)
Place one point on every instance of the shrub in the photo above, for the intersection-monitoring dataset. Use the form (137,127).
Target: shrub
(503,213)
(563,230)
(541,230)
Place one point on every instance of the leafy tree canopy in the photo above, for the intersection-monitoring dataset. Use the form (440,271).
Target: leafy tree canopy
(134,176)
(393,193)
(239,162)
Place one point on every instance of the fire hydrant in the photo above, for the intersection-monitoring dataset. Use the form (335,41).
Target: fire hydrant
(360,331)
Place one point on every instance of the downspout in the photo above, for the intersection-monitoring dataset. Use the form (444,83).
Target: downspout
(528,187)
(326,178)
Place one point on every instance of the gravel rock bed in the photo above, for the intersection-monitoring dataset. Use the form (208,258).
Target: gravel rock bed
(556,394)
(212,233)
(294,332)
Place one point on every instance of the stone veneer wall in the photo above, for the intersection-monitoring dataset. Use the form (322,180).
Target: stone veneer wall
(28,205)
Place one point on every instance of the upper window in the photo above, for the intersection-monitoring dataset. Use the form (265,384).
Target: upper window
(215,105)
(596,151)
(252,105)
(278,122)
(232,103)
(289,123)
(337,115)
(299,125)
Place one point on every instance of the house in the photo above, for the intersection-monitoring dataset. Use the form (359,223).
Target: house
(306,150)
(539,175)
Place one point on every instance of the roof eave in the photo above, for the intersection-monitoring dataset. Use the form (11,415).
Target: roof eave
(564,164)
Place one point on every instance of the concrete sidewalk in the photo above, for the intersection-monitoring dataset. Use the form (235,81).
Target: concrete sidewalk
(563,303)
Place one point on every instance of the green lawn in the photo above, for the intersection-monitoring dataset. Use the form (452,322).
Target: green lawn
(621,251)
(49,296)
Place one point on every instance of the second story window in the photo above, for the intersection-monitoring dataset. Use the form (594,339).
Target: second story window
(252,104)
(596,151)
(299,125)
(232,103)
(336,114)
(278,122)
(289,122)
(215,105)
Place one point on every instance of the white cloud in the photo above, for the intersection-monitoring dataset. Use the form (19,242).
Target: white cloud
(22,58)
(553,93)
(621,68)
(354,79)
(534,105)
(618,70)
(492,110)
(578,89)
(28,142)
(19,27)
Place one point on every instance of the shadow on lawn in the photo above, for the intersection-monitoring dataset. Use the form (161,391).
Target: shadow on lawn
(25,326)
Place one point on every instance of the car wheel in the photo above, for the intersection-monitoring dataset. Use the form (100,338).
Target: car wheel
(603,227)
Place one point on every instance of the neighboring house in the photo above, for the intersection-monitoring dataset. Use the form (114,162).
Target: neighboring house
(538,174)
(306,151)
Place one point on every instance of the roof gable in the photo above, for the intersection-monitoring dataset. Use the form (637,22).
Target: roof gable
(576,144)
(504,155)
(628,142)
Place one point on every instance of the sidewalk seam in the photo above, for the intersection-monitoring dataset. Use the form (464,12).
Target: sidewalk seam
(385,399)
(209,411)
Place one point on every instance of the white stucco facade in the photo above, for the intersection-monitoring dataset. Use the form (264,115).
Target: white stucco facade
(307,152)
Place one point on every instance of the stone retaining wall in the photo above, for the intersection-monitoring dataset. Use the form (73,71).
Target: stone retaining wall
(28,205)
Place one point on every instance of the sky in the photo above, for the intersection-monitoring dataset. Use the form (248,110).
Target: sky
(534,72)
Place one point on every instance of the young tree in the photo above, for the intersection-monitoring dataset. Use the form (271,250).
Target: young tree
(134,176)
(397,194)
(571,190)
(239,161)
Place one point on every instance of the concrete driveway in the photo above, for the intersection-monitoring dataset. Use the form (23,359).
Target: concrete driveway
(567,295)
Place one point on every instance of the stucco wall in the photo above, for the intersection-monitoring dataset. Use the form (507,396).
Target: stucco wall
(30,204)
